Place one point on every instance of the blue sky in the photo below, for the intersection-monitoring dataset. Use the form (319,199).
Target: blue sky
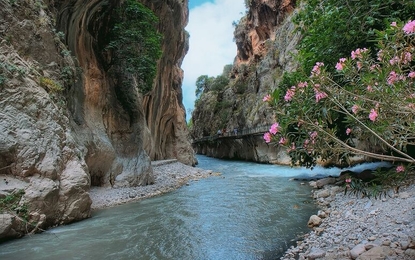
(194,3)
(211,42)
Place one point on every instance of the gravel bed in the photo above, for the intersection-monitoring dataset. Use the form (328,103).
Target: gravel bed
(168,174)
(348,227)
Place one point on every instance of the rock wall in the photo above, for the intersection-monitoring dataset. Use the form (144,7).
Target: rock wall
(265,39)
(249,148)
(167,136)
(63,124)
(44,177)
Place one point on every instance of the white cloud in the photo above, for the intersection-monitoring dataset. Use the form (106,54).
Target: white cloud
(211,43)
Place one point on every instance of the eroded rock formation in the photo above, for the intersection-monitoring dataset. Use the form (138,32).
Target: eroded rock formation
(259,26)
(265,39)
(65,124)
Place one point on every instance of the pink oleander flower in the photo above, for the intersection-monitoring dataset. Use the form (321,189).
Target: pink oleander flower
(392,78)
(316,69)
(359,65)
(355,108)
(313,135)
(340,64)
(393,24)
(374,67)
(290,94)
(369,88)
(302,84)
(407,57)
(357,54)
(320,95)
(274,128)
(348,131)
(373,114)
(400,168)
(394,60)
(411,74)
(267,98)
(267,137)
(409,27)
(282,141)
(348,180)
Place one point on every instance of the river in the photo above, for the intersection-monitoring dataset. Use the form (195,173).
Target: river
(251,211)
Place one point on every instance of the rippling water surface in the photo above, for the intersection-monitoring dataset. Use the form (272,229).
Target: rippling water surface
(251,211)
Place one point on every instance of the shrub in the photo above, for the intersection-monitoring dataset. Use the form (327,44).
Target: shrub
(331,28)
(11,204)
(136,43)
(372,100)
(50,85)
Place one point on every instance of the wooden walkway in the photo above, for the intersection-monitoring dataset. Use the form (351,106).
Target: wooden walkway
(258,130)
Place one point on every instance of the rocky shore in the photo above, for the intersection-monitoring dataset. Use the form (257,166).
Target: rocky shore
(168,174)
(348,227)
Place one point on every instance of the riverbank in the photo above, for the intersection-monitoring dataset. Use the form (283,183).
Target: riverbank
(348,227)
(169,175)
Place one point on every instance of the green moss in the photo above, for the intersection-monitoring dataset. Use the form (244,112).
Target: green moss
(11,204)
(50,85)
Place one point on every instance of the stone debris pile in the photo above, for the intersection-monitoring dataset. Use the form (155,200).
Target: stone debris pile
(348,227)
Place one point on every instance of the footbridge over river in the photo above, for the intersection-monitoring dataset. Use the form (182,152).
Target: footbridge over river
(235,134)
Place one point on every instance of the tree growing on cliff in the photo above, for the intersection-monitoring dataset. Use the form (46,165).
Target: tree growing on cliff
(136,43)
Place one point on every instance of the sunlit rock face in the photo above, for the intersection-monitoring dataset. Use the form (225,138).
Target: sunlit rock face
(65,124)
(167,135)
(265,39)
(260,25)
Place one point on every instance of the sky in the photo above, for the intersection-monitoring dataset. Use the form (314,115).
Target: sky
(211,42)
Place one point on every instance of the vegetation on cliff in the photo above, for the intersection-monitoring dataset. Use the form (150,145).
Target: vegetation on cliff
(136,43)
(366,108)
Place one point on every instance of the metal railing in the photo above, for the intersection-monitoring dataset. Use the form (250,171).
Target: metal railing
(239,133)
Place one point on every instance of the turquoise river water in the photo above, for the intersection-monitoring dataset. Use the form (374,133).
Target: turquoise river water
(252,211)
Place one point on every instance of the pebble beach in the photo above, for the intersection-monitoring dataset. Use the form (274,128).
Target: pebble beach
(169,175)
(350,227)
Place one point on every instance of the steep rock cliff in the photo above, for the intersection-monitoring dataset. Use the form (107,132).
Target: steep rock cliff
(64,125)
(265,39)
(167,133)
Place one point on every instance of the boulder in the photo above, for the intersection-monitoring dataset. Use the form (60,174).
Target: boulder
(357,250)
(314,221)
(325,181)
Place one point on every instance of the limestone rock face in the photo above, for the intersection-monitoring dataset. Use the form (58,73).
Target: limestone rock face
(63,125)
(167,136)
(250,148)
(259,26)
(265,39)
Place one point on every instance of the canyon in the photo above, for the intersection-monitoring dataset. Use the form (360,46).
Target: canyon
(266,40)
(66,123)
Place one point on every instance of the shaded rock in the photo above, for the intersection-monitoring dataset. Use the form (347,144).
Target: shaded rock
(316,253)
(322,194)
(314,221)
(322,182)
(410,252)
(357,250)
